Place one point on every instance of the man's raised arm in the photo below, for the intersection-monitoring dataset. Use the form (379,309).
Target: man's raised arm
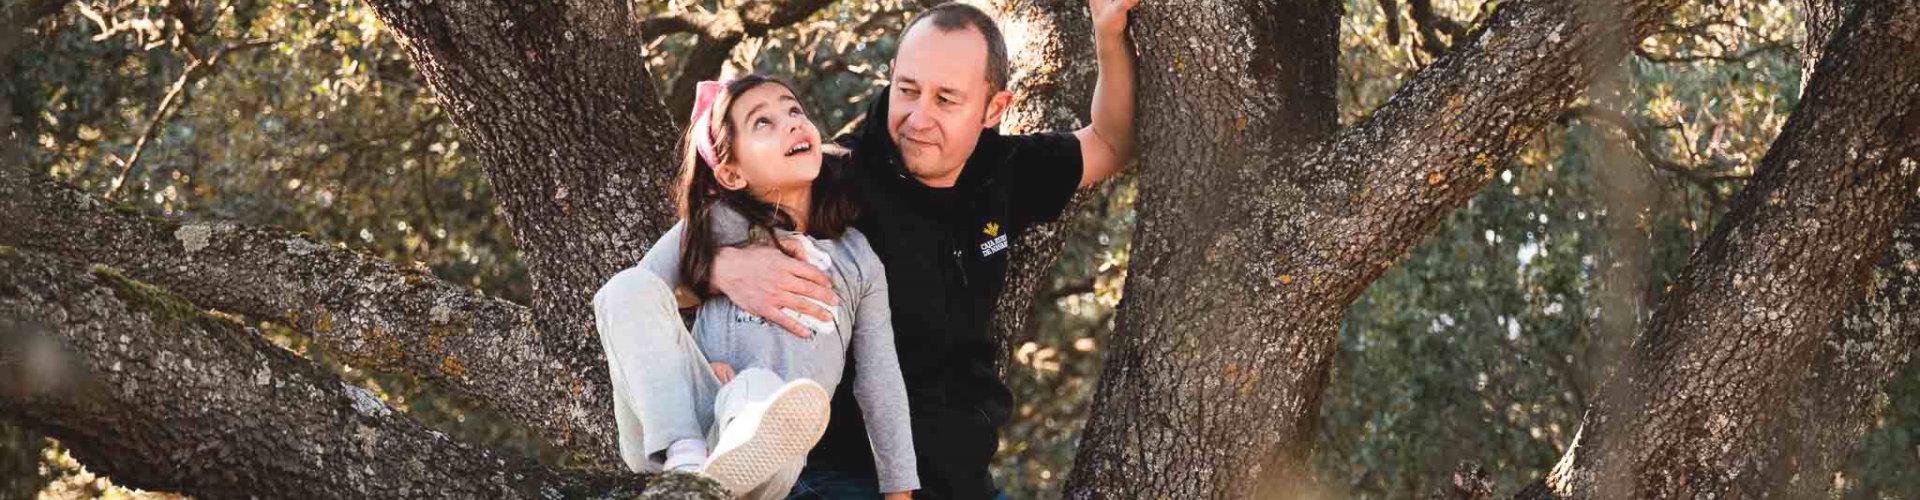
(1107,143)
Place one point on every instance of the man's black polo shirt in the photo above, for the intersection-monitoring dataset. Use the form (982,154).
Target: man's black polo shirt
(946,252)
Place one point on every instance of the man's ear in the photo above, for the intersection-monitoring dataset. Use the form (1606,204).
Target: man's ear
(997,109)
(728,175)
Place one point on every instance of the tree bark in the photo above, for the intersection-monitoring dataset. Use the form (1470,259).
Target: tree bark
(1250,247)
(365,310)
(1823,17)
(1844,393)
(1694,412)
(143,386)
(1053,90)
(555,99)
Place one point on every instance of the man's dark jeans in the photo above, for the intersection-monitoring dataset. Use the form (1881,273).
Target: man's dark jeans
(816,484)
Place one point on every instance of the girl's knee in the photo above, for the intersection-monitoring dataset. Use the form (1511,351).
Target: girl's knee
(634,287)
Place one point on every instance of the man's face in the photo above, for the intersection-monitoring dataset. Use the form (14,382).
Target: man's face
(941,101)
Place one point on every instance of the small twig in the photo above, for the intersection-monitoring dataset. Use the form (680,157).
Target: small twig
(160,114)
(1742,56)
(171,104)
(1708,177)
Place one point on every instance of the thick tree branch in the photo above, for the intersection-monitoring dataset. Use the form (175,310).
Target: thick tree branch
(1443,136)
(365,310)
(1842,396)
(1053,91)
(553,98)
(762,16)
(1432,25)
(702,62)
(676,22)
(1390,10)
(1695,412)
(1255,236)
(717,35)
(142,385)
(1199,343)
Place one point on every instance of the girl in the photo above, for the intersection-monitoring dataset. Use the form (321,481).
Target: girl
(753,173)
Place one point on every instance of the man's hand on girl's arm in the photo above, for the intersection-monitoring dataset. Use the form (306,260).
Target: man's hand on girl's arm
(762,280)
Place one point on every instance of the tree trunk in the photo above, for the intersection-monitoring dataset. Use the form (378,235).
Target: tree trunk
(143,386)
(1159,426)
(367,311)
(1053,90)
(1844,393)
(1250,247)
(1693,414)
(556,101)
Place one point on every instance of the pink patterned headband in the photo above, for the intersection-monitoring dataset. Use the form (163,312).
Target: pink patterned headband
(703,96)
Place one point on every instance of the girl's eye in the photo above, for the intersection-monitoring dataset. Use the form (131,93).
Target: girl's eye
(796,111)
(761,122)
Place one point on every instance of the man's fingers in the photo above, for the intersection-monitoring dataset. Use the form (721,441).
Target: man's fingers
(812,283)
(808,289)
(808,308)
(793,326)
(792,248)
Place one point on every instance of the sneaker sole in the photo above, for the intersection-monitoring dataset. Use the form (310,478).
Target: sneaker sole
(795,417)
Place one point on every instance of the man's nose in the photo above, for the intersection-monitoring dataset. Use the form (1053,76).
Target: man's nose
(918,120)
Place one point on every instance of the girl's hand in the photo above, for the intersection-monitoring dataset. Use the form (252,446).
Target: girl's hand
(903,495)
(722,371)
(1110,16)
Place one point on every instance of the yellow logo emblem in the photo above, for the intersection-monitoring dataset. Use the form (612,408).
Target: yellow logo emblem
(992,229)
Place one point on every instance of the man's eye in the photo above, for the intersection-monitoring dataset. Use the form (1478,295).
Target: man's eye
(910,92)
(946,100)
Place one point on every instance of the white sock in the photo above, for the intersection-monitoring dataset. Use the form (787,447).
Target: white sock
(686,454)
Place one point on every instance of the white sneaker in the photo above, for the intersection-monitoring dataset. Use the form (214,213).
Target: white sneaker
(769,435)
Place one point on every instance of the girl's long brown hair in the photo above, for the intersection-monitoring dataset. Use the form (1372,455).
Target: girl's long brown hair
(833,208)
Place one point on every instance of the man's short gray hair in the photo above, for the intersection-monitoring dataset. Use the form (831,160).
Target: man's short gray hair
(955,16)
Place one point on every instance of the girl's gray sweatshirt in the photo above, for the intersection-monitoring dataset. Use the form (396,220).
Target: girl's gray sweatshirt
(728,334)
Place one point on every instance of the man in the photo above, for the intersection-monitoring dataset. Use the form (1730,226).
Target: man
(945,196)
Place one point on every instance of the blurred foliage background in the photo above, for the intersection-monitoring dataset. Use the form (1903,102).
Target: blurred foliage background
(1481,346)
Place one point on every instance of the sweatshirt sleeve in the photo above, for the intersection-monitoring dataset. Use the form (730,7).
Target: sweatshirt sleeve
(877,384)
(663,258)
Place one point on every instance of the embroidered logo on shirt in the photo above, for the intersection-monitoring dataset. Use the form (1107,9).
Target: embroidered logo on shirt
(992,229)
(993,246)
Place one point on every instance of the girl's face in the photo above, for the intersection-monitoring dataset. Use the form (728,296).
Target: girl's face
(775,148)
